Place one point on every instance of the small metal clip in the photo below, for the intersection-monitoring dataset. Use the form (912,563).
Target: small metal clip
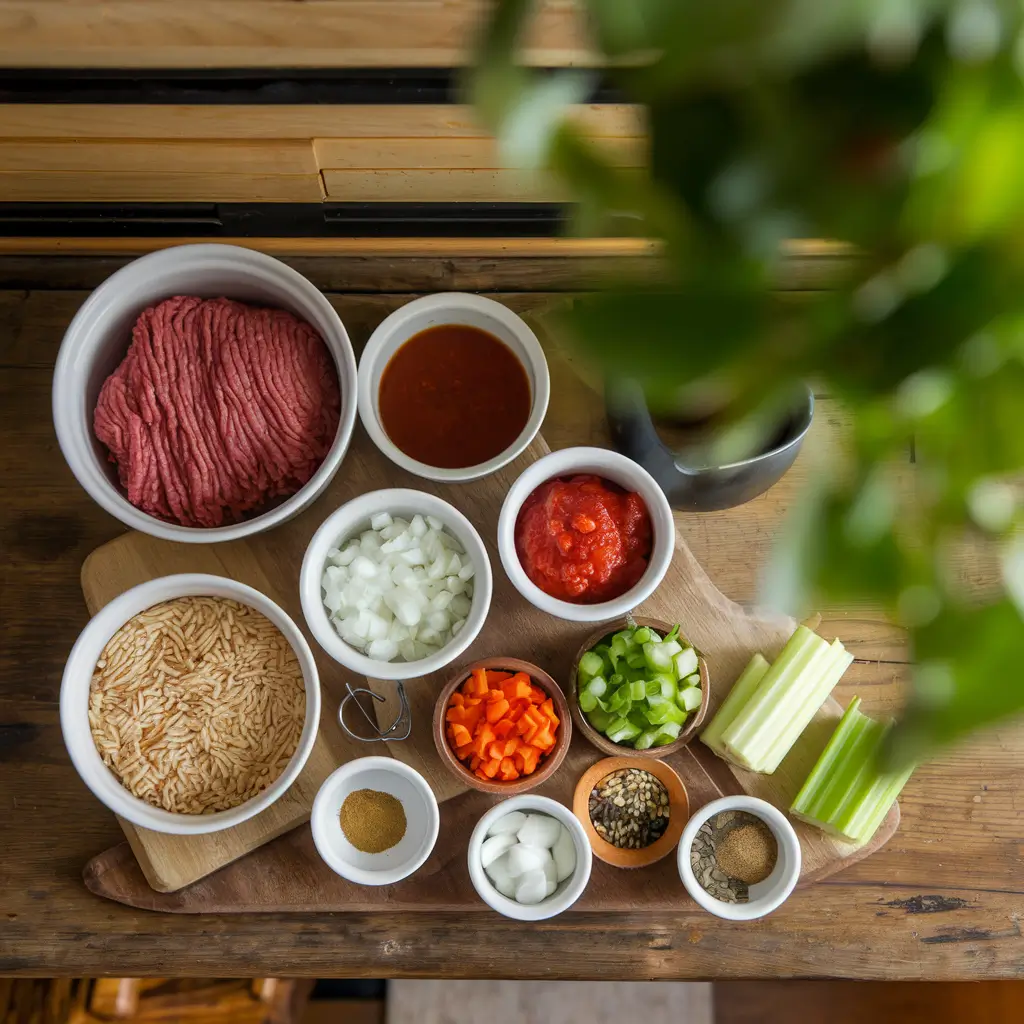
(402,724)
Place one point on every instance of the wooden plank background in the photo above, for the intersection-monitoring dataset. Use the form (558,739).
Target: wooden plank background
(270,33)
(299,154)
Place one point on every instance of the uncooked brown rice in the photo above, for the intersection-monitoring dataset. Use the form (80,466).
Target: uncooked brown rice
(197,704)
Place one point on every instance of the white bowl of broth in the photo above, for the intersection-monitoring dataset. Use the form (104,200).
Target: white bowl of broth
(453,386)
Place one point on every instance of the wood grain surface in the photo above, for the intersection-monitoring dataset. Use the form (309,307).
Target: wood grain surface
(725,633)
(270,33)
(942,900)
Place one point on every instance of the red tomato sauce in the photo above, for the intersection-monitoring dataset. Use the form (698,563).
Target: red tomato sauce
(583,539)
(454,396)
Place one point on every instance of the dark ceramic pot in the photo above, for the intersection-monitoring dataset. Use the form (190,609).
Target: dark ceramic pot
(701,489)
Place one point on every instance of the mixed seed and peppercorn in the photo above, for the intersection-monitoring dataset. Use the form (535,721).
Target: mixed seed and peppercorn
(630,808)
(731,852)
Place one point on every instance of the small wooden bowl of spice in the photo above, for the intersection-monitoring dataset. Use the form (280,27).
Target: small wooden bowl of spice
(633,810)
(502,725)
(686,695)
(739,858)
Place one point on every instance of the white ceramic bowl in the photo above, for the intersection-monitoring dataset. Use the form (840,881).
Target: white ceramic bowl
(74,702)
(451,308)
(567,893)
(98,337)
(618,469)
(765,896)
(351,519)
(385,775)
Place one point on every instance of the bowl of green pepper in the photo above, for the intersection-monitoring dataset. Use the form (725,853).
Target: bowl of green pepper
(639,687)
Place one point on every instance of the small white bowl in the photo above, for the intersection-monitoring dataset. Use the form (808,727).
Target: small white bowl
(74,702)
(618,469)
(351,519)
(98,337)
(385,775)
(765,896)
(451,308)
(568,891)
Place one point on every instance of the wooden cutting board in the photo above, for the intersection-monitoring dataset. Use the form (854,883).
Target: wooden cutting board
(726,633)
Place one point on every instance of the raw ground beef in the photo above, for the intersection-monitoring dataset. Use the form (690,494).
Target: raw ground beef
(216,408)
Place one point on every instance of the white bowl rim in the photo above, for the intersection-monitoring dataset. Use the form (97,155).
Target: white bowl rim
(367,876)
(454,302)
(561,463)
(330,532)
(78,737)
(67,394)
(784,834)
(559,901)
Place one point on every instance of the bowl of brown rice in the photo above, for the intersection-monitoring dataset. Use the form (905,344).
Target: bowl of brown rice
(190,703)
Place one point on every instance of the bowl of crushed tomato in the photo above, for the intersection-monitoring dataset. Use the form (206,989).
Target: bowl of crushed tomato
(586,534)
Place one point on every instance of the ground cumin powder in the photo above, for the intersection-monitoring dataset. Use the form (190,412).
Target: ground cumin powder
(748,852)
(372,822)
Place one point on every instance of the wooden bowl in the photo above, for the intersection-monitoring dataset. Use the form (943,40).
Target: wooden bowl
(693,721)
(679,811)
(547,767)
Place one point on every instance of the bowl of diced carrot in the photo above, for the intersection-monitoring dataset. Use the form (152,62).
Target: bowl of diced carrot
(502,725)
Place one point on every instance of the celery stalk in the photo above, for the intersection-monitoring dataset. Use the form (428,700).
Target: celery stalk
(751,733)
(846,794)
(740,693)
(804,706)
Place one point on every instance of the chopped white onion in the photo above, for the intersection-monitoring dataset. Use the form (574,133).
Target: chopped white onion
(400,589)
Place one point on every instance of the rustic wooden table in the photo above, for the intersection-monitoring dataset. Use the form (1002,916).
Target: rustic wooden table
(942,901)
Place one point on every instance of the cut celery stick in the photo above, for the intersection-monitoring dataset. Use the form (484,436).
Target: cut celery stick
(658,659)
(690,698)
(668,732)
(671,647)
(694,680)
(591,664)
(740,693)
(806,700)
(643,635)
(846,794)
(685,663)
(763,714)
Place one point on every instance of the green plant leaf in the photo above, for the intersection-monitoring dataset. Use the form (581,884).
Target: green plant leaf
(968,674)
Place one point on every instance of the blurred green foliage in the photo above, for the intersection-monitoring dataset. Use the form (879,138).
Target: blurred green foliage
(893,125)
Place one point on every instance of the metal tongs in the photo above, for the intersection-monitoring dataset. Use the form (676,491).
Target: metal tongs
(399,729)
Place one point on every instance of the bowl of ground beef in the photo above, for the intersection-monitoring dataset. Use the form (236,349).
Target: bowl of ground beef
(205,393)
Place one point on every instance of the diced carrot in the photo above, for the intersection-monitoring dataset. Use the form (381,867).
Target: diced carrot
(548,708)
(531,758)
(497,710)
(503,728)
(500,724)
(461,735)
(515,688)
(516,708)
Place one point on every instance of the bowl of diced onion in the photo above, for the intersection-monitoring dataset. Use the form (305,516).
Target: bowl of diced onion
(395,584)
